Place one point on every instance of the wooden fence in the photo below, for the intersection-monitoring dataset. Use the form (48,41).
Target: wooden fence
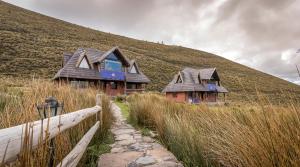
(11,139)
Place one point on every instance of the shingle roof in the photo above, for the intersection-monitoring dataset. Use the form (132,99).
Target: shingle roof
(190,81)
(67,56)
(94,54)
(105,54)
(70,70)
(139,77)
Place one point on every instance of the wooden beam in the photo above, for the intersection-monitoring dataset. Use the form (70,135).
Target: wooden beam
(11,138)
(72,159)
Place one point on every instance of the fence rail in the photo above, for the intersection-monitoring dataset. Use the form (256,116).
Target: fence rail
(72,159)
(11,139)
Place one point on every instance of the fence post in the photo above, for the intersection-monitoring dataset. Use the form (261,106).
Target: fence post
(98,99)
(99,103)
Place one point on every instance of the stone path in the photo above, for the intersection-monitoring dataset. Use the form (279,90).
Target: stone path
(131,149)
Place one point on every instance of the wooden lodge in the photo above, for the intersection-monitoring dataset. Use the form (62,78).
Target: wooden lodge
(195,86)
(110,71)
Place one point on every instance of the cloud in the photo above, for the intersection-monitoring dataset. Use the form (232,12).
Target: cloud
(264,34)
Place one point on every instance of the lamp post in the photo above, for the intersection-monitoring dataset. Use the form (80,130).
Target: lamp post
(51,107)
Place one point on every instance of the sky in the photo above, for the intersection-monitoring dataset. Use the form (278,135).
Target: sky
(262,34)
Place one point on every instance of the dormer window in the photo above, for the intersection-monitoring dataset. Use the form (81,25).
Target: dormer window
(84,63)
(133,70)
(179,80)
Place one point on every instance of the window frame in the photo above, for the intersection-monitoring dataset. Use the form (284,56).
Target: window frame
(87,62)
(113,85)
(113,61)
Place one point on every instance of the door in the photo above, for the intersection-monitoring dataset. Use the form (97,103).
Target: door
(114,88)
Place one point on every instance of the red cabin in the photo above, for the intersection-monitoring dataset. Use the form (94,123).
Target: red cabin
(195,86)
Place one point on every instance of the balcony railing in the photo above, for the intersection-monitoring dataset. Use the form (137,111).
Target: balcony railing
(134,90)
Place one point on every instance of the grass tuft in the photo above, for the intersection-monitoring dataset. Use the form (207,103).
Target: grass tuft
(245,135)
(18,101)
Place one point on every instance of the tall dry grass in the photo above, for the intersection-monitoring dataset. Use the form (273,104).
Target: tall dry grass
(18,105)
(248,135)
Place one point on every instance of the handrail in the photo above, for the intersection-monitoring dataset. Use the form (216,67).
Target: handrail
(11,138)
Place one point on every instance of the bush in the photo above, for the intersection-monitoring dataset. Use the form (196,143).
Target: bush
(120,98)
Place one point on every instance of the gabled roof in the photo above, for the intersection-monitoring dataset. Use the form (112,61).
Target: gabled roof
(71,70)
(133,64)
(136,77)
(113,50)
(67,56)
(191,82)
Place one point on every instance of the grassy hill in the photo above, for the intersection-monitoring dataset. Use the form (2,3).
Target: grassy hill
(31,43)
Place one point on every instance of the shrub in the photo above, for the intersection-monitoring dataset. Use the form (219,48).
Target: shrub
(120,98)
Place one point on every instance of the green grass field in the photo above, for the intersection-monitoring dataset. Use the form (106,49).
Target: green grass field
(33,44)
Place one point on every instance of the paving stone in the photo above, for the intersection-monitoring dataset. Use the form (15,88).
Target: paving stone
(146,145)
(169,158)
(166,164)
(137,136)
(135,147)
(157,145)
(126,142)
(124,137)
(144,161)
(152,134)
(117,150)
(147,139)
(123,131)
(132,164)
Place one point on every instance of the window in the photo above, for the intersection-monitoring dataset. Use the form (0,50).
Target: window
(84,63)
(79,84)
(131,86)
(102,65)
(112,56)
(83,84)
(74,84)
(113,85)
(199,79)
(174,94)
(111,65)
(212,82)
(133,70)
(179,80)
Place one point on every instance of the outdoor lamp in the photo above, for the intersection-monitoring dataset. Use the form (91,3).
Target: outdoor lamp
(51,106)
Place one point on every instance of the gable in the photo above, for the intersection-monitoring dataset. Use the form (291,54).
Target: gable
(115,55)
(133,70)
(112,56)
(215,76)
(84,63)
(179,79)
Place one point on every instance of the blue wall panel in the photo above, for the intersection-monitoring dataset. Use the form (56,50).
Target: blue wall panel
(112,75)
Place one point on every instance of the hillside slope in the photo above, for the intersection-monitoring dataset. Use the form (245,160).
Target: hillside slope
(31,43)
